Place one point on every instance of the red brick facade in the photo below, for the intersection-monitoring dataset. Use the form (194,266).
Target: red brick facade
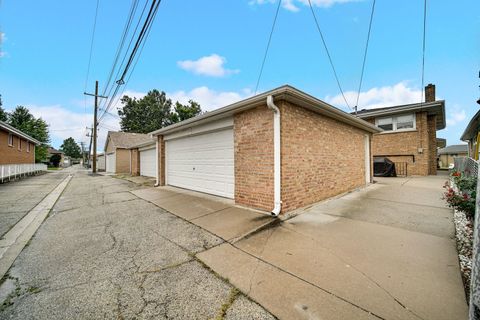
(134,162)
(321,157)
(18,152)
(253,137)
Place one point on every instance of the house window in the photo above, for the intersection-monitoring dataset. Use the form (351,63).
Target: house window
(10,140)
(28,146)
(19,144)
(396,123)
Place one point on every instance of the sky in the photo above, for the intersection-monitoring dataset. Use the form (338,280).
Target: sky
(211,51)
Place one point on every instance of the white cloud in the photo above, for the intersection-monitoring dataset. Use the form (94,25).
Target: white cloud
(292,5)
(3,38)
(378,97)
(209,99)
(211,65)
(455,116)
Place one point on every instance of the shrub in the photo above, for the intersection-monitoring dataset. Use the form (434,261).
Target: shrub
(462,199)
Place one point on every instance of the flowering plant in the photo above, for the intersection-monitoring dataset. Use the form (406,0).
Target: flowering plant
(462,199)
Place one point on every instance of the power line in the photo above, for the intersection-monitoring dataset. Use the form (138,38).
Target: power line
(328,53)
(365,56)
(142,36)
(121,44)
(423,47)
(114,85)
(141,40)
(91,45)
(90,56)
(268,45)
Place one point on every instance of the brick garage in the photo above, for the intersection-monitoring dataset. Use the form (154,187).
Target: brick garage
(323,151)
(16,147)
(119,149)
(415,145)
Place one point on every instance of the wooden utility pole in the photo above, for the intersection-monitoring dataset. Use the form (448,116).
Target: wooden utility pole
(94,135)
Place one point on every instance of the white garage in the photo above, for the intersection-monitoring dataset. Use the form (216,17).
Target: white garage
(202,162)
(148,162)
(110,162)
(101,162)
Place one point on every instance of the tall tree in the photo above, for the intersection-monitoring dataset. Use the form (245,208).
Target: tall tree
(71,148)
(152,112)
(147,114)
(37,128)
(3,113)
(184,112)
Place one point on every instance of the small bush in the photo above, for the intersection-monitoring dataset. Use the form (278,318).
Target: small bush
(462,199)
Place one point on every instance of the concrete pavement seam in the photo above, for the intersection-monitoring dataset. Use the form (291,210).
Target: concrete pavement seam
(35,218)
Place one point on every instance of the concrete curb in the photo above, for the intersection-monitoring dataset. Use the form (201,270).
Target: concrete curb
(15,240)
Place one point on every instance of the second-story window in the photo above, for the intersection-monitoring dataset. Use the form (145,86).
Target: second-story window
(396,123)
(28,146)
(19,144)
(10,140)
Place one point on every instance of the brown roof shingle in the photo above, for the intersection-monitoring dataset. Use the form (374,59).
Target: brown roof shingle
(128,139)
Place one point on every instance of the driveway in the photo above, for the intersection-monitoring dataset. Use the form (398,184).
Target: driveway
(385,252)
(104,253)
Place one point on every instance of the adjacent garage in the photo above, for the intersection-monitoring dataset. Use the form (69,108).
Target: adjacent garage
(202,162)
(277,151)
(110,163)
(148,162)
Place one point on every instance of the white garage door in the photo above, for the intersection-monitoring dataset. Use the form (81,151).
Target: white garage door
(203,163)
(148,163)
(110,163)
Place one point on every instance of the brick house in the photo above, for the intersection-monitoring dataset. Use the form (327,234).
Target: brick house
(409,137)
(447,154)
(277,151)
(119,147)
(16,147)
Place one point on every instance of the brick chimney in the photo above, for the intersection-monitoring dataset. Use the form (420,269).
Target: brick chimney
(430,93)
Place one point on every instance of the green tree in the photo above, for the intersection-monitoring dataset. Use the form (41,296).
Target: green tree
(71,148)
(184,112)
(152,112)
(37,128)
(55,159)
(3,113)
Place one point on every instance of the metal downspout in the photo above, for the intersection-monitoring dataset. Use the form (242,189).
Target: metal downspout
(276,157)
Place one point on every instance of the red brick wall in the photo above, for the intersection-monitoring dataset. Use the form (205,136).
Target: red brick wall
(135,162)
(122,160)
(321,157)
(432,144)
(161,161)
(409,143)
(11,154)
(253,138)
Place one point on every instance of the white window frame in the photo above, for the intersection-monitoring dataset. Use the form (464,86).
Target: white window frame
(10,140)
(394,122)
(19,144)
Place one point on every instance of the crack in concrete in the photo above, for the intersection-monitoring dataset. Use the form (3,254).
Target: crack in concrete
(359,271)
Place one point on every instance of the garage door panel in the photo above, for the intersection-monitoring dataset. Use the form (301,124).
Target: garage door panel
(203,163)
(110,163)
(148,163)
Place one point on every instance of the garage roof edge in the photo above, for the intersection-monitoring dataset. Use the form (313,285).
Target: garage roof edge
(285,92)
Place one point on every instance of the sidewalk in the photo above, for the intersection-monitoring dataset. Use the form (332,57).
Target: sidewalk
(385,252)
(19,197)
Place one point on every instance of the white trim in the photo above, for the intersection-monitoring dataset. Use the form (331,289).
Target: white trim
(157,183)
(394,122)
(367,159)
(152,146)
(201,129)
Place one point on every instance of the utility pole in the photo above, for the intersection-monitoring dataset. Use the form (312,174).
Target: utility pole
(94,136)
